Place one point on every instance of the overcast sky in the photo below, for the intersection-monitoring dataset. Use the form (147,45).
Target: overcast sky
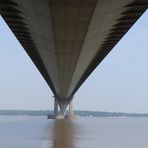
(120,82)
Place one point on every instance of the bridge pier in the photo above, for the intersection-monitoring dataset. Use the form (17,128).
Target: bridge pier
(71,107)
(55,107)
(62,105)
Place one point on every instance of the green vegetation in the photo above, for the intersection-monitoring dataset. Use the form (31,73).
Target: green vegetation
(80,113)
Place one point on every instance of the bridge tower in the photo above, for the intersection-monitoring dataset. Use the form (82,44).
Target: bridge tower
(62,105)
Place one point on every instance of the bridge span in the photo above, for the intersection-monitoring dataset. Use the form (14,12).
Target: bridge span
(67,39)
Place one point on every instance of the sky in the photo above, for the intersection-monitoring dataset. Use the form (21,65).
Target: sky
(118,84)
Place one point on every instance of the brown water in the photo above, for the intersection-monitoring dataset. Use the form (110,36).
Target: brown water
(99,133)
(38,132)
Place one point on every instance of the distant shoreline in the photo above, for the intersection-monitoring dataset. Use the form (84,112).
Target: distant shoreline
(80,113)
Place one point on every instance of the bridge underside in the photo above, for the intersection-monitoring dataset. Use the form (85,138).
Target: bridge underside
(67,39)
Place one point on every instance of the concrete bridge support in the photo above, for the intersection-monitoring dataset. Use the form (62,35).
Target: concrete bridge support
(62,113)
(71,107)
(55,107)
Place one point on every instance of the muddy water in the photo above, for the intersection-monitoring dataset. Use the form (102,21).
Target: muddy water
(38,132)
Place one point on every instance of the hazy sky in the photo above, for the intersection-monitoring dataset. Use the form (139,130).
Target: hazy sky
(120,82)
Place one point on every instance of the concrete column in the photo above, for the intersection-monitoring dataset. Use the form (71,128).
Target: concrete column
(55,107)
(63,105)
(71,107)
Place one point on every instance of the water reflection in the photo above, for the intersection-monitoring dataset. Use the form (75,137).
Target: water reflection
(63,134)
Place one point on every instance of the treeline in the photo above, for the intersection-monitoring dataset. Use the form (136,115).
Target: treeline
(80,113)
(26,112)
(109,114)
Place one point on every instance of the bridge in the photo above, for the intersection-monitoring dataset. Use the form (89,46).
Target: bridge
(67,39)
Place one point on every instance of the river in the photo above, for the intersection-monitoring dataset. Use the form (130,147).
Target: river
(39,132)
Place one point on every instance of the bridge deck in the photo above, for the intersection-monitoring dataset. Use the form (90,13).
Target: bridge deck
(67,39)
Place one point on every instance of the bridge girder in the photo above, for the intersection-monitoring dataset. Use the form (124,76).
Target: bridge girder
(67,39)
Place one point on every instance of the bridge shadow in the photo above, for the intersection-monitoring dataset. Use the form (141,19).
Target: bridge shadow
(63,134)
